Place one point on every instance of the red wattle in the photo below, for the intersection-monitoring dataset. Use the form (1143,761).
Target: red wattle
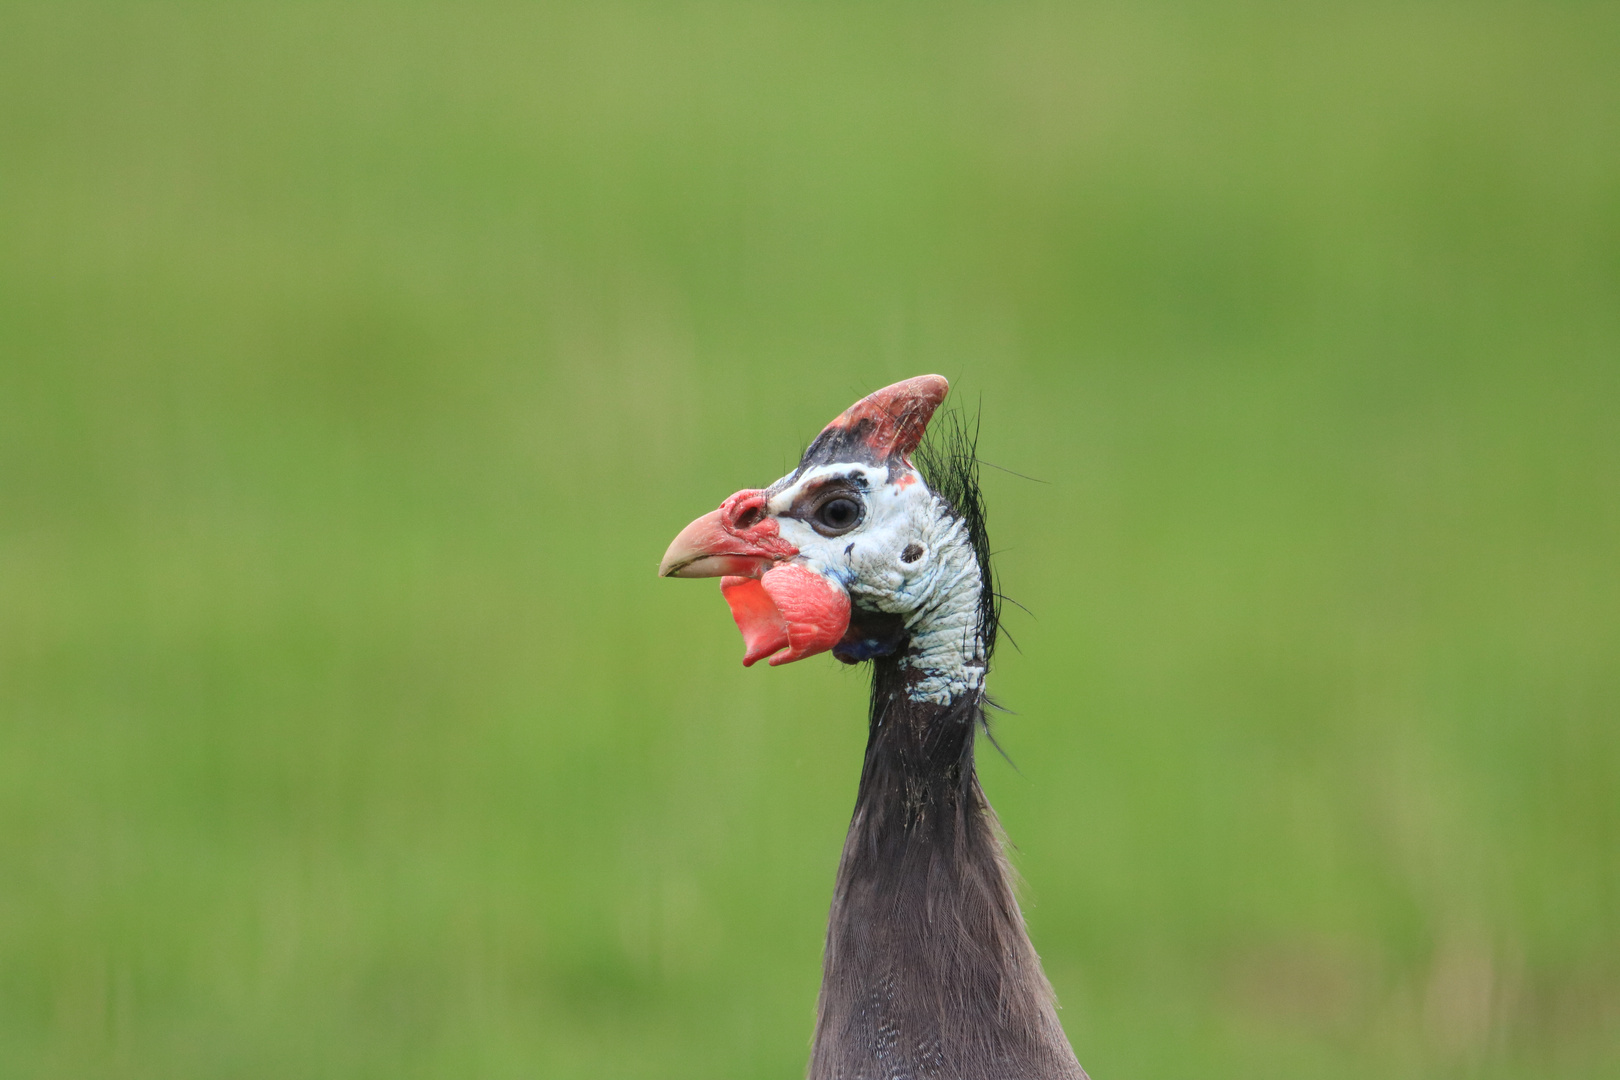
(763,629)
(788,614)
(815,610)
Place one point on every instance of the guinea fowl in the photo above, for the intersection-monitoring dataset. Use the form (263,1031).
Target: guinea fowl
(875,548)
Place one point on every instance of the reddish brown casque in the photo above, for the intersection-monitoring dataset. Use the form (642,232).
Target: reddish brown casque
(790,613)
(898,414)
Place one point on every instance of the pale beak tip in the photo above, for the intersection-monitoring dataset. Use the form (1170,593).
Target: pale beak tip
(705,549)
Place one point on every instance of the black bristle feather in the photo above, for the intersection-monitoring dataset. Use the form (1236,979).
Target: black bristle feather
(949,463)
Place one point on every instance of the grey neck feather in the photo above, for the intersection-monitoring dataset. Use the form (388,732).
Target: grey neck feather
(929,973)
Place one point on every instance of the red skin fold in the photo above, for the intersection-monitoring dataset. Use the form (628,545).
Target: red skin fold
(763,629)
(743,517)
(788,614)
(739,539)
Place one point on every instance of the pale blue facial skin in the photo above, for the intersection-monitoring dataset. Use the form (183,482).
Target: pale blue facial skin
(909,556)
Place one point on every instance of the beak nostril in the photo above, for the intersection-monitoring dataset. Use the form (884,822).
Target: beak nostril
(750,517)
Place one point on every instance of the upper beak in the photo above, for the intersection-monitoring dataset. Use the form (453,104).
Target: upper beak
(785,611)
(705,549)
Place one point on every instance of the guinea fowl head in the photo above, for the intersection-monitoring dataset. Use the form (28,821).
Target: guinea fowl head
(874,548)
(869,548)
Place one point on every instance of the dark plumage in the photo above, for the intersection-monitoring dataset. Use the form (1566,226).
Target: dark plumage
(929,973)
(928,970)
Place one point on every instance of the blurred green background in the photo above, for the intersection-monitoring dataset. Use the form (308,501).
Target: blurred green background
(358,362)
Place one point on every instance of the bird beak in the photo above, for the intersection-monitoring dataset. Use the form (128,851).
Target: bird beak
(784,610)
(739,539)
(706,548)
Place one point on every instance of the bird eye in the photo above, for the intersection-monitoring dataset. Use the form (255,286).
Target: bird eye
(838,515)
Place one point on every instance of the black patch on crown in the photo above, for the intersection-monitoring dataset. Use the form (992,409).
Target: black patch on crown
(838,443)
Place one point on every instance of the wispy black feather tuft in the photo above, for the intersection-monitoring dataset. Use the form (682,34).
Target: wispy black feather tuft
(949,462)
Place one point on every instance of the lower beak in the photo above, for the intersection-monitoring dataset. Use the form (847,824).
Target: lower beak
(705,549)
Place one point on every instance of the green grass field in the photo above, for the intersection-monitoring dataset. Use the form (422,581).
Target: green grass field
(358,362)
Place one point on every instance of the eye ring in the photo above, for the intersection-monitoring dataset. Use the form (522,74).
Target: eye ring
(837,514)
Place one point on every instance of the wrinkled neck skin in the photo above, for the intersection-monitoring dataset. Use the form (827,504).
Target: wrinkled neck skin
(929,972)
(944,657)
(934,594)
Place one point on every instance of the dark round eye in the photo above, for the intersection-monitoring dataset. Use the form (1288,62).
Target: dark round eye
(838,515)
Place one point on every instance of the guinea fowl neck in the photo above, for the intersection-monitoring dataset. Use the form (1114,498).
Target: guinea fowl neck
(929,971)
(917,780)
